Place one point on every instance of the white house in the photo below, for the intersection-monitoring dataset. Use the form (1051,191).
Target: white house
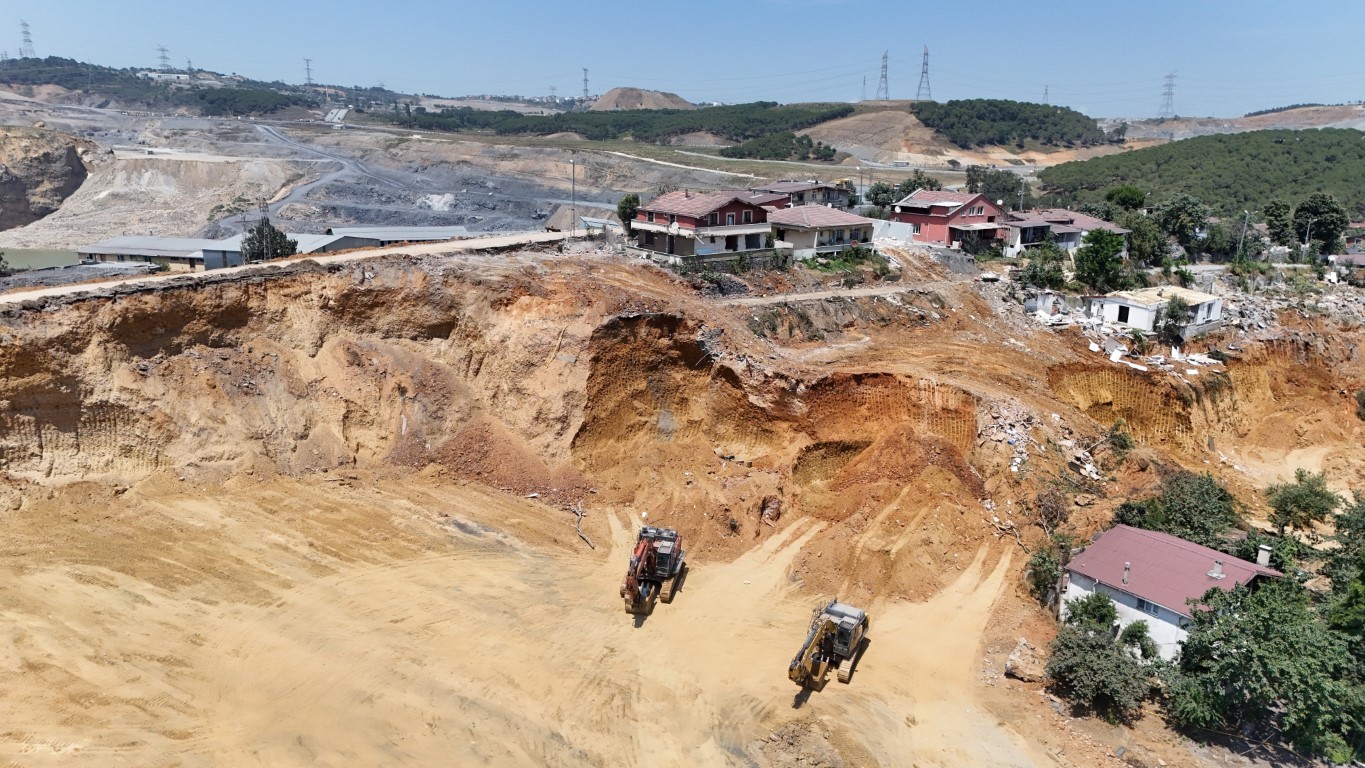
(1139,309)
(1152,577)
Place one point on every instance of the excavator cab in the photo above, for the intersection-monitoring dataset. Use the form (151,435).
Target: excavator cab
(837,637)
(657,568)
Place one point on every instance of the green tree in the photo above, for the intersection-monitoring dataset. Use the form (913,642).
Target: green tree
(1194,507)
(1099,261)
(1171,320)
(626,209)
(1279,222)
(1220,241)
(1303,502)
(1044,268)
(1000,185)
(264,241)
(918,180)
(1181,217)
(1326,217)
(881,194)
(1095,666)
(1127,197)
(1254,655)
(5,270)
(1146,243)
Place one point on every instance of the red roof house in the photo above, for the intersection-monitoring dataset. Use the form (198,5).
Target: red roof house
(687,223)
(943,217)
(1152,577)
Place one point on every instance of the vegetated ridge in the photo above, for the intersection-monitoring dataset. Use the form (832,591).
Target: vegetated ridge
(781,146)
(978,122)
(1229,172)
(737,122)
(618,99)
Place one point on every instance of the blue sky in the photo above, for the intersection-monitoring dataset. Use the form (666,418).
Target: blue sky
(1105,59)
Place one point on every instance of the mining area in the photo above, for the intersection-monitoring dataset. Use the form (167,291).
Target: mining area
(328,513)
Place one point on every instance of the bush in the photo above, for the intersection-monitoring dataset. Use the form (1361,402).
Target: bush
(1360,404)
(1194,507)
(1045,570)
(1096,668)
(1303,502)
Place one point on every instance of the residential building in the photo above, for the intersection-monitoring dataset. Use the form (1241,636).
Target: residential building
(228,252)
(1028,229)
(808,193)
(1140,309)
(677,225)
(1152,577)
(815,229)
(1355,235)
(943,217)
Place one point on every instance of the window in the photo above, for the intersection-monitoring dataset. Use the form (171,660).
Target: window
(712,219)
(650,217)
(914,229)
(649,238)
(672,219)
(748,217)
(729,219)
(1146,607)
(1123,314)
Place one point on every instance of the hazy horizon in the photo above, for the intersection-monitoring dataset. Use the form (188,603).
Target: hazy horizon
(1229,57)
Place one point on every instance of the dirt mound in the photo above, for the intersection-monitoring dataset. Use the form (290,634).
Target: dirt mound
(618,99)
(38,170)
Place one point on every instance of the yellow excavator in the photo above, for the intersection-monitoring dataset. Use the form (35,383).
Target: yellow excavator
(837,639)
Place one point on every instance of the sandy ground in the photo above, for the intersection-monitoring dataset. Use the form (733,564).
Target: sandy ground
(352,620)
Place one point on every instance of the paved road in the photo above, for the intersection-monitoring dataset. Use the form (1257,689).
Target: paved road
(456,246)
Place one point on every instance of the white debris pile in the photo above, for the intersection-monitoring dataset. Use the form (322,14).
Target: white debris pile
(1011,424)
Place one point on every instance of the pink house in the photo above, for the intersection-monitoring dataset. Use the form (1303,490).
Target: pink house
(942,217)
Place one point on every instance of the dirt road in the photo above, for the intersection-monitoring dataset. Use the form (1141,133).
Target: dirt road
(379,622)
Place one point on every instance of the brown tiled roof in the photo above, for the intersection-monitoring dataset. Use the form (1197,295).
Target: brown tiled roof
(1163,569)
(691,203)
(1081,221)
(757,198)
(940,196)
(816,217)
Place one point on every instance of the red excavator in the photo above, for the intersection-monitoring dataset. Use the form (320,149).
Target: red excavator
(657,569)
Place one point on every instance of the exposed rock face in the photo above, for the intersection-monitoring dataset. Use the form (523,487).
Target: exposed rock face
(38,170)
(1025,663)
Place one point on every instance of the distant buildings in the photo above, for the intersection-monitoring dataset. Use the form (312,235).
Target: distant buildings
(808,193)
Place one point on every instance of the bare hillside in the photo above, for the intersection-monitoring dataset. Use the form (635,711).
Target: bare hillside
(618,99)
(1350,116)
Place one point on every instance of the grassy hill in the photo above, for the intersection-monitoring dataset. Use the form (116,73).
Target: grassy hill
(1231,172)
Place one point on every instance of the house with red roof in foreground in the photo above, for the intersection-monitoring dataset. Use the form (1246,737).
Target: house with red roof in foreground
(1152,577)
(678,225)
(946,218)
(810,230)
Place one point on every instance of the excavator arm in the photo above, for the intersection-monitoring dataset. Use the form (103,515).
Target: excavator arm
(810,665)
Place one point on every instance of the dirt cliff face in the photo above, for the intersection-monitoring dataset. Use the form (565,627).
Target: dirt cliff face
(38,170)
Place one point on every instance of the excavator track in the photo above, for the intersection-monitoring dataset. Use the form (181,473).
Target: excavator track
(846,672)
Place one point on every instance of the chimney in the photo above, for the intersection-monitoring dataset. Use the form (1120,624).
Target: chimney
(1263,556)
(1217,572)
(1127,567)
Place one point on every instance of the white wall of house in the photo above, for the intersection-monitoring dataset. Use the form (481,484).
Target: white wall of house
(1113,310)
(1163,624)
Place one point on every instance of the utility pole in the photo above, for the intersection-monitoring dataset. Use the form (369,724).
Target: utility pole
(585,84)
(165,55)
(1167,110)
(1246,217)
(26,47)
(573,194)
(1308,236)
(924,93)
(308,72)
(883,89)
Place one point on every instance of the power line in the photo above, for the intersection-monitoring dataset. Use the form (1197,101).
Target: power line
(308,72)
(1167,110)
(883,89)
(923,93)
(165,55)
(26,48)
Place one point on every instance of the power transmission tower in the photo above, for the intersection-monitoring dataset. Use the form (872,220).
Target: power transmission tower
(553,100)
(585,83)
(189,66)
(883,89)
(308,72)
(165,54)
(864,98)
(1044,94)
(26,49)
(4,57)
(924,93)
(1167,110)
